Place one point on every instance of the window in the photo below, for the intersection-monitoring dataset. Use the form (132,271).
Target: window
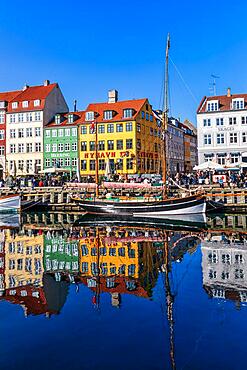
(25,104)
(2,150)
(47,133)
(212,106)
(74,147)
(14,105)
(119,144)
(37,116)
(147,117)
(127,113)
(151,131)
(129,144)
(67,162)
(20,148)
(21,132)
(207,139)
(131,270)
(129,126)
(29,165)
(221,158)
(74,162)
(67,147)
(143,114)
(21,117)
(108,114)
(37,131)
(207,122)
(1,134)
(244,120)
(29,117)
(101,129)
(29,147)
(54,148)
(110,128)
(233,138)
(54,133)
(244,137)
(138,127)
(47,162)
(48,148)
(70,118)
(119,164)
(83,146)
(232,120)
(12,133)
(89,117)
(138,145)
(234,157)
(92,146)
(29,132)
(60,147)
(129,163)
(60,132)
(12,118)
(57,119)
(20,165)
(83,165)
(238,104)
(220,139)
(92,165)
(12,148)
(74,131)
(101,145)
(219,121)
(101,164)
(151,118)
(84,130)
(36,102)
(67,132)
(119,127)
(110,145)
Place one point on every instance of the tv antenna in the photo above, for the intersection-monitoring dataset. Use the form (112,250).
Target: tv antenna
(212,88)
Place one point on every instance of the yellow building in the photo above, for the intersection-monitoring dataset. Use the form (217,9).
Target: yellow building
(23,260)
(129,139)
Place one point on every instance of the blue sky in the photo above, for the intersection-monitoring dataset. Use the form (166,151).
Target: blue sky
(89,47)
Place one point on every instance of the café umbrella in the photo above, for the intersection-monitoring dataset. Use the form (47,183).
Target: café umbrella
(54,170)
(208,166)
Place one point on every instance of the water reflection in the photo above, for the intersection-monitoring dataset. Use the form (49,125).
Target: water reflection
(46,254)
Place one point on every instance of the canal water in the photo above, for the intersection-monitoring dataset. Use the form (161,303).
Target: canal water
(118,295)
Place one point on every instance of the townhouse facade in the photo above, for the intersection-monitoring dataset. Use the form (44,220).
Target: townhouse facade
(222,129)
(128,137)
(61,142)
(28,113)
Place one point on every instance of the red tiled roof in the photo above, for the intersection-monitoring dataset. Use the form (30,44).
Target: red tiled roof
(118,107)
(9,95)
(224,102)
(79,118)
(30,94)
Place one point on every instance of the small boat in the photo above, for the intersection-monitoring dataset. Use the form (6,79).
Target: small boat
(10,203)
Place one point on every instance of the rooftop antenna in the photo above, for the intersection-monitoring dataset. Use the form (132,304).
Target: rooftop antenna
(212,89)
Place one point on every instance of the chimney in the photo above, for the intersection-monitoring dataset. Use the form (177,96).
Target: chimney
(75,105)
(46,83)
(25,87)
(112,96)
(228,92)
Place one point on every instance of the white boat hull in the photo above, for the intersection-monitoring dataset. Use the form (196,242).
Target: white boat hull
(10,203)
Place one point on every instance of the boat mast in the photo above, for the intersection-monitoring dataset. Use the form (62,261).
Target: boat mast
(165,119)
(96,160)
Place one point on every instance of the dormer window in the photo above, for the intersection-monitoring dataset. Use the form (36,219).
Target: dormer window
(57,119)
(212,106)
(128,113)
(36,102)
(108,114)
(89,116)
(14,105)
(237,104)
(70,118)
(25,104)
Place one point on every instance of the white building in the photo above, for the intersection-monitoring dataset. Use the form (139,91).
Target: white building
(222,129)
(27,115)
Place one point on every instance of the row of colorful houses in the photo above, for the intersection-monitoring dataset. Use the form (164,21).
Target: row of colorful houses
(38,132)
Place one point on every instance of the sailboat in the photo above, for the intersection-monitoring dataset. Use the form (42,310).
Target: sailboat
(172,207)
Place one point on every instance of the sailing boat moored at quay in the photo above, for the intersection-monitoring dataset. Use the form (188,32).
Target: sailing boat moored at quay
(188,205)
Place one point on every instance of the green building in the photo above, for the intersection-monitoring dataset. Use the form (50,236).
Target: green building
(61,142)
